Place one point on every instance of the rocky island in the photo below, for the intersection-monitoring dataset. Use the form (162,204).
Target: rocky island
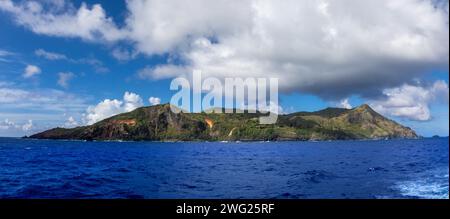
(159,123)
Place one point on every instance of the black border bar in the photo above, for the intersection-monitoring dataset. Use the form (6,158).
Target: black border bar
(163,207)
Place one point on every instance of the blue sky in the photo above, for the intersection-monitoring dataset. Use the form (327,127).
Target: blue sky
(121,47)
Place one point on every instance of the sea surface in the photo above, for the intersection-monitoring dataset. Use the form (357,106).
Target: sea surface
(298,170)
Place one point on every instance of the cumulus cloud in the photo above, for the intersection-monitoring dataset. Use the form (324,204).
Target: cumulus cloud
(70,122)
(30,71)
(103,110)
(332,49)
(60,18)
(154,100)
(412,101)
(10,126)
(108,108)
(131,101)
(154,26)
(27,126)
(345,104)
(64,78)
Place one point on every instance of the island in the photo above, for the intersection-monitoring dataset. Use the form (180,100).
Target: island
(159,123)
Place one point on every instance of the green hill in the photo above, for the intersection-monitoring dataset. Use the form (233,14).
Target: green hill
(161,124)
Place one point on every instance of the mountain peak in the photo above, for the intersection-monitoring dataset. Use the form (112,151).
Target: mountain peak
(365,111)
(364,106)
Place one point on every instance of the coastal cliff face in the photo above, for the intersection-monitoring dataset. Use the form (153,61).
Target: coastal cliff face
(161,124)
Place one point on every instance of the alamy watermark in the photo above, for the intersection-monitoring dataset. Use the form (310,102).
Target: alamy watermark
(209,95)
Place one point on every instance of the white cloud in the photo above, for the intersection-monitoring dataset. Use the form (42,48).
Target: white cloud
(30,71)
(156,28)
(108,108)
(88,23)
(7,124)
(28,126)
(64,78)
(154,100)
(162,72)
(311,46)
(131,101)
(71,122)
(345,104)
(44,107)
(333,49)
(412,101)
(12,126)
(95,63)
(4,53)
(50,55)
(7,56)
(103,110)
(8,95)
(123,54)
(49,100)
(92,61)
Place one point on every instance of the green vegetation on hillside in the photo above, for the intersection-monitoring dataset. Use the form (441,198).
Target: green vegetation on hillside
(161,124)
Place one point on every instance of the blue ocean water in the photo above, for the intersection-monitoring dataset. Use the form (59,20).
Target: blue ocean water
(337,169)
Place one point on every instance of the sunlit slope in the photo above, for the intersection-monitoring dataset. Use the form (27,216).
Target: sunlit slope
(161,124)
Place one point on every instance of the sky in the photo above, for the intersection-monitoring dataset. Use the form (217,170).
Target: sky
(72,63)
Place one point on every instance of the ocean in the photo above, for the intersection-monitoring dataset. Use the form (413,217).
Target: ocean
(370,169)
